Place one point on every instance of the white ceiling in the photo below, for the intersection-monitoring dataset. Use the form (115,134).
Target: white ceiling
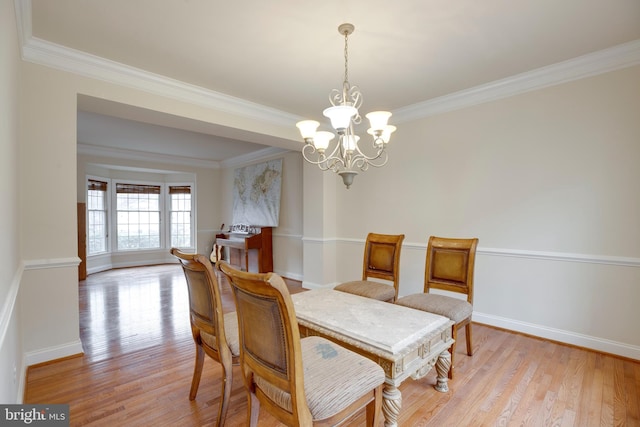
(287,54)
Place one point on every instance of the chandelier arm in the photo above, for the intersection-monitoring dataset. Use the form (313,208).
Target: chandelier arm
(335,150)
(321,159)
(310,149)
(362,162)
(324,162)
(380,151)
(349,95)
(336,164)
(355,98)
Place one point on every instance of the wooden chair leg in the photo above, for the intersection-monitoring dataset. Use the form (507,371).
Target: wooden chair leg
(467,329)
(253,409)
(452,349)
(197,372)
(374,409)
(227,383)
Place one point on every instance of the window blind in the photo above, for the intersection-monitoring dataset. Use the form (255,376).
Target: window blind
(137,188)
(96,185)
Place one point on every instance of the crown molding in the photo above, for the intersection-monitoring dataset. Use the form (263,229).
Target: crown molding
(23,20)
(262,155)
(84,64)
(126,154)
(73,61)
(603,61)
(143,156)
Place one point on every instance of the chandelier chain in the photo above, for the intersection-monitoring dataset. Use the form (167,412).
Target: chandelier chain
(346,56)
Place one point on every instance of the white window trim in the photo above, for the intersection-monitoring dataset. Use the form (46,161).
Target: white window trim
(108,215)
(167,228)
(114,215)
(165,219)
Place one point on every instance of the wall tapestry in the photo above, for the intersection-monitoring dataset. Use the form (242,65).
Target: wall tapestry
(256,194)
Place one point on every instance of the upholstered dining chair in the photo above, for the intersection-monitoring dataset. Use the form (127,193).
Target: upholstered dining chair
(381,261)
(214,333)
(449,266)
(300,381)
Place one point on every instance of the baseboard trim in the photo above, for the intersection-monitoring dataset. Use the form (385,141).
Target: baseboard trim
(52,353)
(291,276)
(100,268)
(559,335)
(22,384)
(144,263)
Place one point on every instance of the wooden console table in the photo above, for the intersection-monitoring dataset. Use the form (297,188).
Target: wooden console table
(403,341)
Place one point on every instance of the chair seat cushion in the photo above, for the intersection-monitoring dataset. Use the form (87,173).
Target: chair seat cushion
(453,308)
(368,289)
(231,332)
(334,377)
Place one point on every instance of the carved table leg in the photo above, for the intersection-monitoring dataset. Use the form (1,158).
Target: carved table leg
(391,403)
(442,368)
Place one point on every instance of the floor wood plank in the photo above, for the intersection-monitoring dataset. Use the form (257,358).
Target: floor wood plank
(138,362)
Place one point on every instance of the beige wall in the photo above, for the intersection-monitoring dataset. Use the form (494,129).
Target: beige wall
(48,211)
(548,181)
(11,366)
(549,170)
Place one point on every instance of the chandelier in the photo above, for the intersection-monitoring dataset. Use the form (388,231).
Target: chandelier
(346,157)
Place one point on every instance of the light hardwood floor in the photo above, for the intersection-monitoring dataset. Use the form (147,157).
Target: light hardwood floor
(138,361)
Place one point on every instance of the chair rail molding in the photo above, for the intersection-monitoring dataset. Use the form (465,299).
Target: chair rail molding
(562,256)
(38,264)
(514,253)
(10,303)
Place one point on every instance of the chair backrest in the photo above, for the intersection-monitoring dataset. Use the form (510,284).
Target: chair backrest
(270,349)
(382,257)
(205,302)
(450,264)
